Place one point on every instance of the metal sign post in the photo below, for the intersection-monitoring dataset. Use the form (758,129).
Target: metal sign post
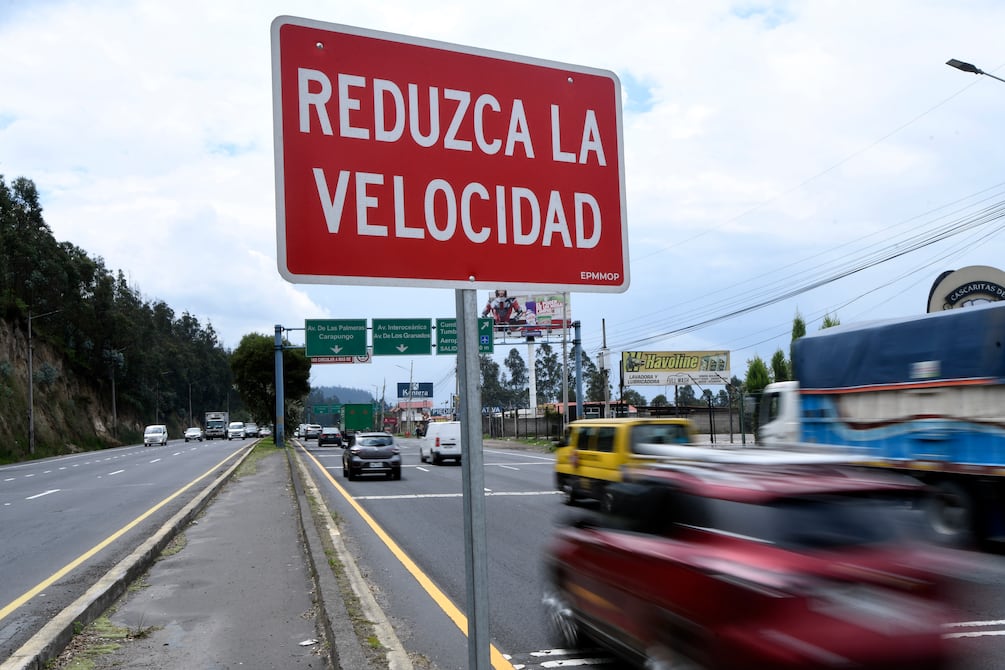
(472,460)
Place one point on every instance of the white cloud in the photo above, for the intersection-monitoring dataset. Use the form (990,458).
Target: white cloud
(756,135)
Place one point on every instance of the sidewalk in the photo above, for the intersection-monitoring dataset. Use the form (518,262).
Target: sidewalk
(238,591)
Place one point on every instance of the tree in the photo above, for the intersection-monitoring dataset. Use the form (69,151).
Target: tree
(686,396)
(633,397)
(493,393)
(757,379)
(659,401)
(253,366)
(830,321)
(516,385)
(548,374)
(779,367)
(798,330)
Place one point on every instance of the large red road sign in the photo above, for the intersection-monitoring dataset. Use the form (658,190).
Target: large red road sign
(403,161)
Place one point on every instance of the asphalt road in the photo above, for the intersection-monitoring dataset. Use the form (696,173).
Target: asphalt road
(422,516)
(65,521)
(406,536)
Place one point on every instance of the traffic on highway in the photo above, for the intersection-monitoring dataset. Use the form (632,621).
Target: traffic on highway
(408,534)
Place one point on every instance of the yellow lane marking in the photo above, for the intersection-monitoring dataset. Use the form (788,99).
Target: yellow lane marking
(499,661)
(75,563)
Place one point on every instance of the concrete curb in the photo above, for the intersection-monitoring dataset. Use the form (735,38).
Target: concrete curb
(50,641)
(346,650)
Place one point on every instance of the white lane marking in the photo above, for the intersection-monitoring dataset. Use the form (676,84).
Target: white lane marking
(30,474)
(116,472)
(44,493)
(550,459)
(9,479)
(45,472)
(419,467)
(155,460)
(975,633)
(416,496)
(508,467)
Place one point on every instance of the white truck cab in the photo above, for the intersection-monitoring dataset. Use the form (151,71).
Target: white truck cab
(779,414)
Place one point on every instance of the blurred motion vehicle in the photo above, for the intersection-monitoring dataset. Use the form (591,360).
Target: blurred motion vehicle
(251,429)
(372,453)
(921,395)
(441,441)
(216,425)
(265,431)
(312,431)
(330,435)
(156,435)
(741,565)
(594,451)
(193,433)
(235,430)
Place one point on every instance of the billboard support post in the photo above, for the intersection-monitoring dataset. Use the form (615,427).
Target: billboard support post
(469,414)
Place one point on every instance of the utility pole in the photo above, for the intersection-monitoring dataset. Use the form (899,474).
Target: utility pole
(605,368)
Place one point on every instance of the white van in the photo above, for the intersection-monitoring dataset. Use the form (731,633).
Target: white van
(442,440)
(155,435)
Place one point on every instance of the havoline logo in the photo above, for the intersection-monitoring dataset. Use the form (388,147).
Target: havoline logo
(637,361)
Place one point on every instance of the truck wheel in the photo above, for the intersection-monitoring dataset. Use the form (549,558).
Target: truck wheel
(607,501)
(568,489)
(422,457)
(436,458)
(951,514)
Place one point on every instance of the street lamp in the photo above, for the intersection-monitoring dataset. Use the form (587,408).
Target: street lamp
(968,67)
(31,383)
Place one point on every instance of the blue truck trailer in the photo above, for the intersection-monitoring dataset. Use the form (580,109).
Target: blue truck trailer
(920,395)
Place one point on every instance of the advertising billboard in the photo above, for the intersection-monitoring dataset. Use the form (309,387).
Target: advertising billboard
(675,368)
(527,315)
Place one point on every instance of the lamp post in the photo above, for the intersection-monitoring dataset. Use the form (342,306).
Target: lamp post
(968,67)
(31,383)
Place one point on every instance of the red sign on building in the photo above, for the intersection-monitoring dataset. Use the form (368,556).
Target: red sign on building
(403,161)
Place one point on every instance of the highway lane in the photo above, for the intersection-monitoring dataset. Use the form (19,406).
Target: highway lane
(422,514)
(65,521)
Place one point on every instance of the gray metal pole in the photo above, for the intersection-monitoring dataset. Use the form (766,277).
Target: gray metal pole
(577,342)
(280,401)
(472,462)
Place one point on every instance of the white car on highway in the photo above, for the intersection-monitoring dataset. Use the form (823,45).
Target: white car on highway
(235,431)
(156,435)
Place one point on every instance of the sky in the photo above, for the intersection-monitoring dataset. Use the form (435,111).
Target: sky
(811,157)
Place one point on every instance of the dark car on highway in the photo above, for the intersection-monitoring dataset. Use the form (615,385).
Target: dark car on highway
(330,435)
(735,566)
(372,453)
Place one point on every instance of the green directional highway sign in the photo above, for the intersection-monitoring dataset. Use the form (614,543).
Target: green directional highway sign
(446,336)
(402,337)
(331,337)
